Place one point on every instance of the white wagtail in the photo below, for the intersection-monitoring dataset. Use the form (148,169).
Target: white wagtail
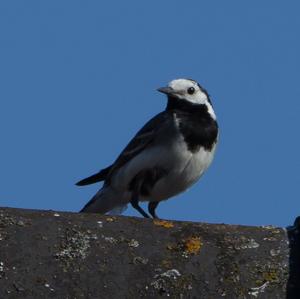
(167,156)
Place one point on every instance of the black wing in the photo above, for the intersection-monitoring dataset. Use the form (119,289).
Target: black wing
(98,177)
(142,139)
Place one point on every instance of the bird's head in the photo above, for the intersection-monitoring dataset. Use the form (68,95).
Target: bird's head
(189,91)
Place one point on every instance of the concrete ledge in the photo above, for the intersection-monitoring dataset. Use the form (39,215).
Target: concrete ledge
(47,254)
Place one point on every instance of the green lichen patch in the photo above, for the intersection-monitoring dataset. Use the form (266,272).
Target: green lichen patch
(8,220)
(74,245)
(170,283)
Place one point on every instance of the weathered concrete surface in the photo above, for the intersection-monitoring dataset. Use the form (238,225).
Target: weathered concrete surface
(46,254)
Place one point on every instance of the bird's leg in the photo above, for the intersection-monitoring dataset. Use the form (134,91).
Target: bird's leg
(151,208)
(135,199)
(135,203)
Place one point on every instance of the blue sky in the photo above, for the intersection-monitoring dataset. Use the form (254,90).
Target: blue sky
(79,78)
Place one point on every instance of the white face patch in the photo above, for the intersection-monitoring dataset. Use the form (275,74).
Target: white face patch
(183,88)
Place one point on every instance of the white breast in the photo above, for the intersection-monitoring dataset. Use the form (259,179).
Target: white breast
(183,169)
(186,169)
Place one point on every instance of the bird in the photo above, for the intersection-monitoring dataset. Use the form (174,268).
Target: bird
(166,156)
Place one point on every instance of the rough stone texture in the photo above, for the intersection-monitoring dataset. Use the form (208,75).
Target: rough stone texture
(47,254)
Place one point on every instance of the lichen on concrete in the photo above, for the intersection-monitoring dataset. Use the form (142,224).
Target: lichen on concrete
(74,244)
(170,283)
(69,255)
(163,223)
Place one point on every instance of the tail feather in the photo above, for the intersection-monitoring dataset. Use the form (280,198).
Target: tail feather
(97,177)
(106,200)
(118,210)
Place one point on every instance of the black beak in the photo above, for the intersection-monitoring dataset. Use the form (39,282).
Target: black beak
(166,90)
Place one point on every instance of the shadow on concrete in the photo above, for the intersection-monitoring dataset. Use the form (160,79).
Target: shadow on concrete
(293,285)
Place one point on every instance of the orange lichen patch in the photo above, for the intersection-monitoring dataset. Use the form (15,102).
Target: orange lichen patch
(110,219)
(172,247)
(164,223)
(166,264)
(193,245)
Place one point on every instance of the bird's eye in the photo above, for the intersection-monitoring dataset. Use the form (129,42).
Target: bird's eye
(191,90)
